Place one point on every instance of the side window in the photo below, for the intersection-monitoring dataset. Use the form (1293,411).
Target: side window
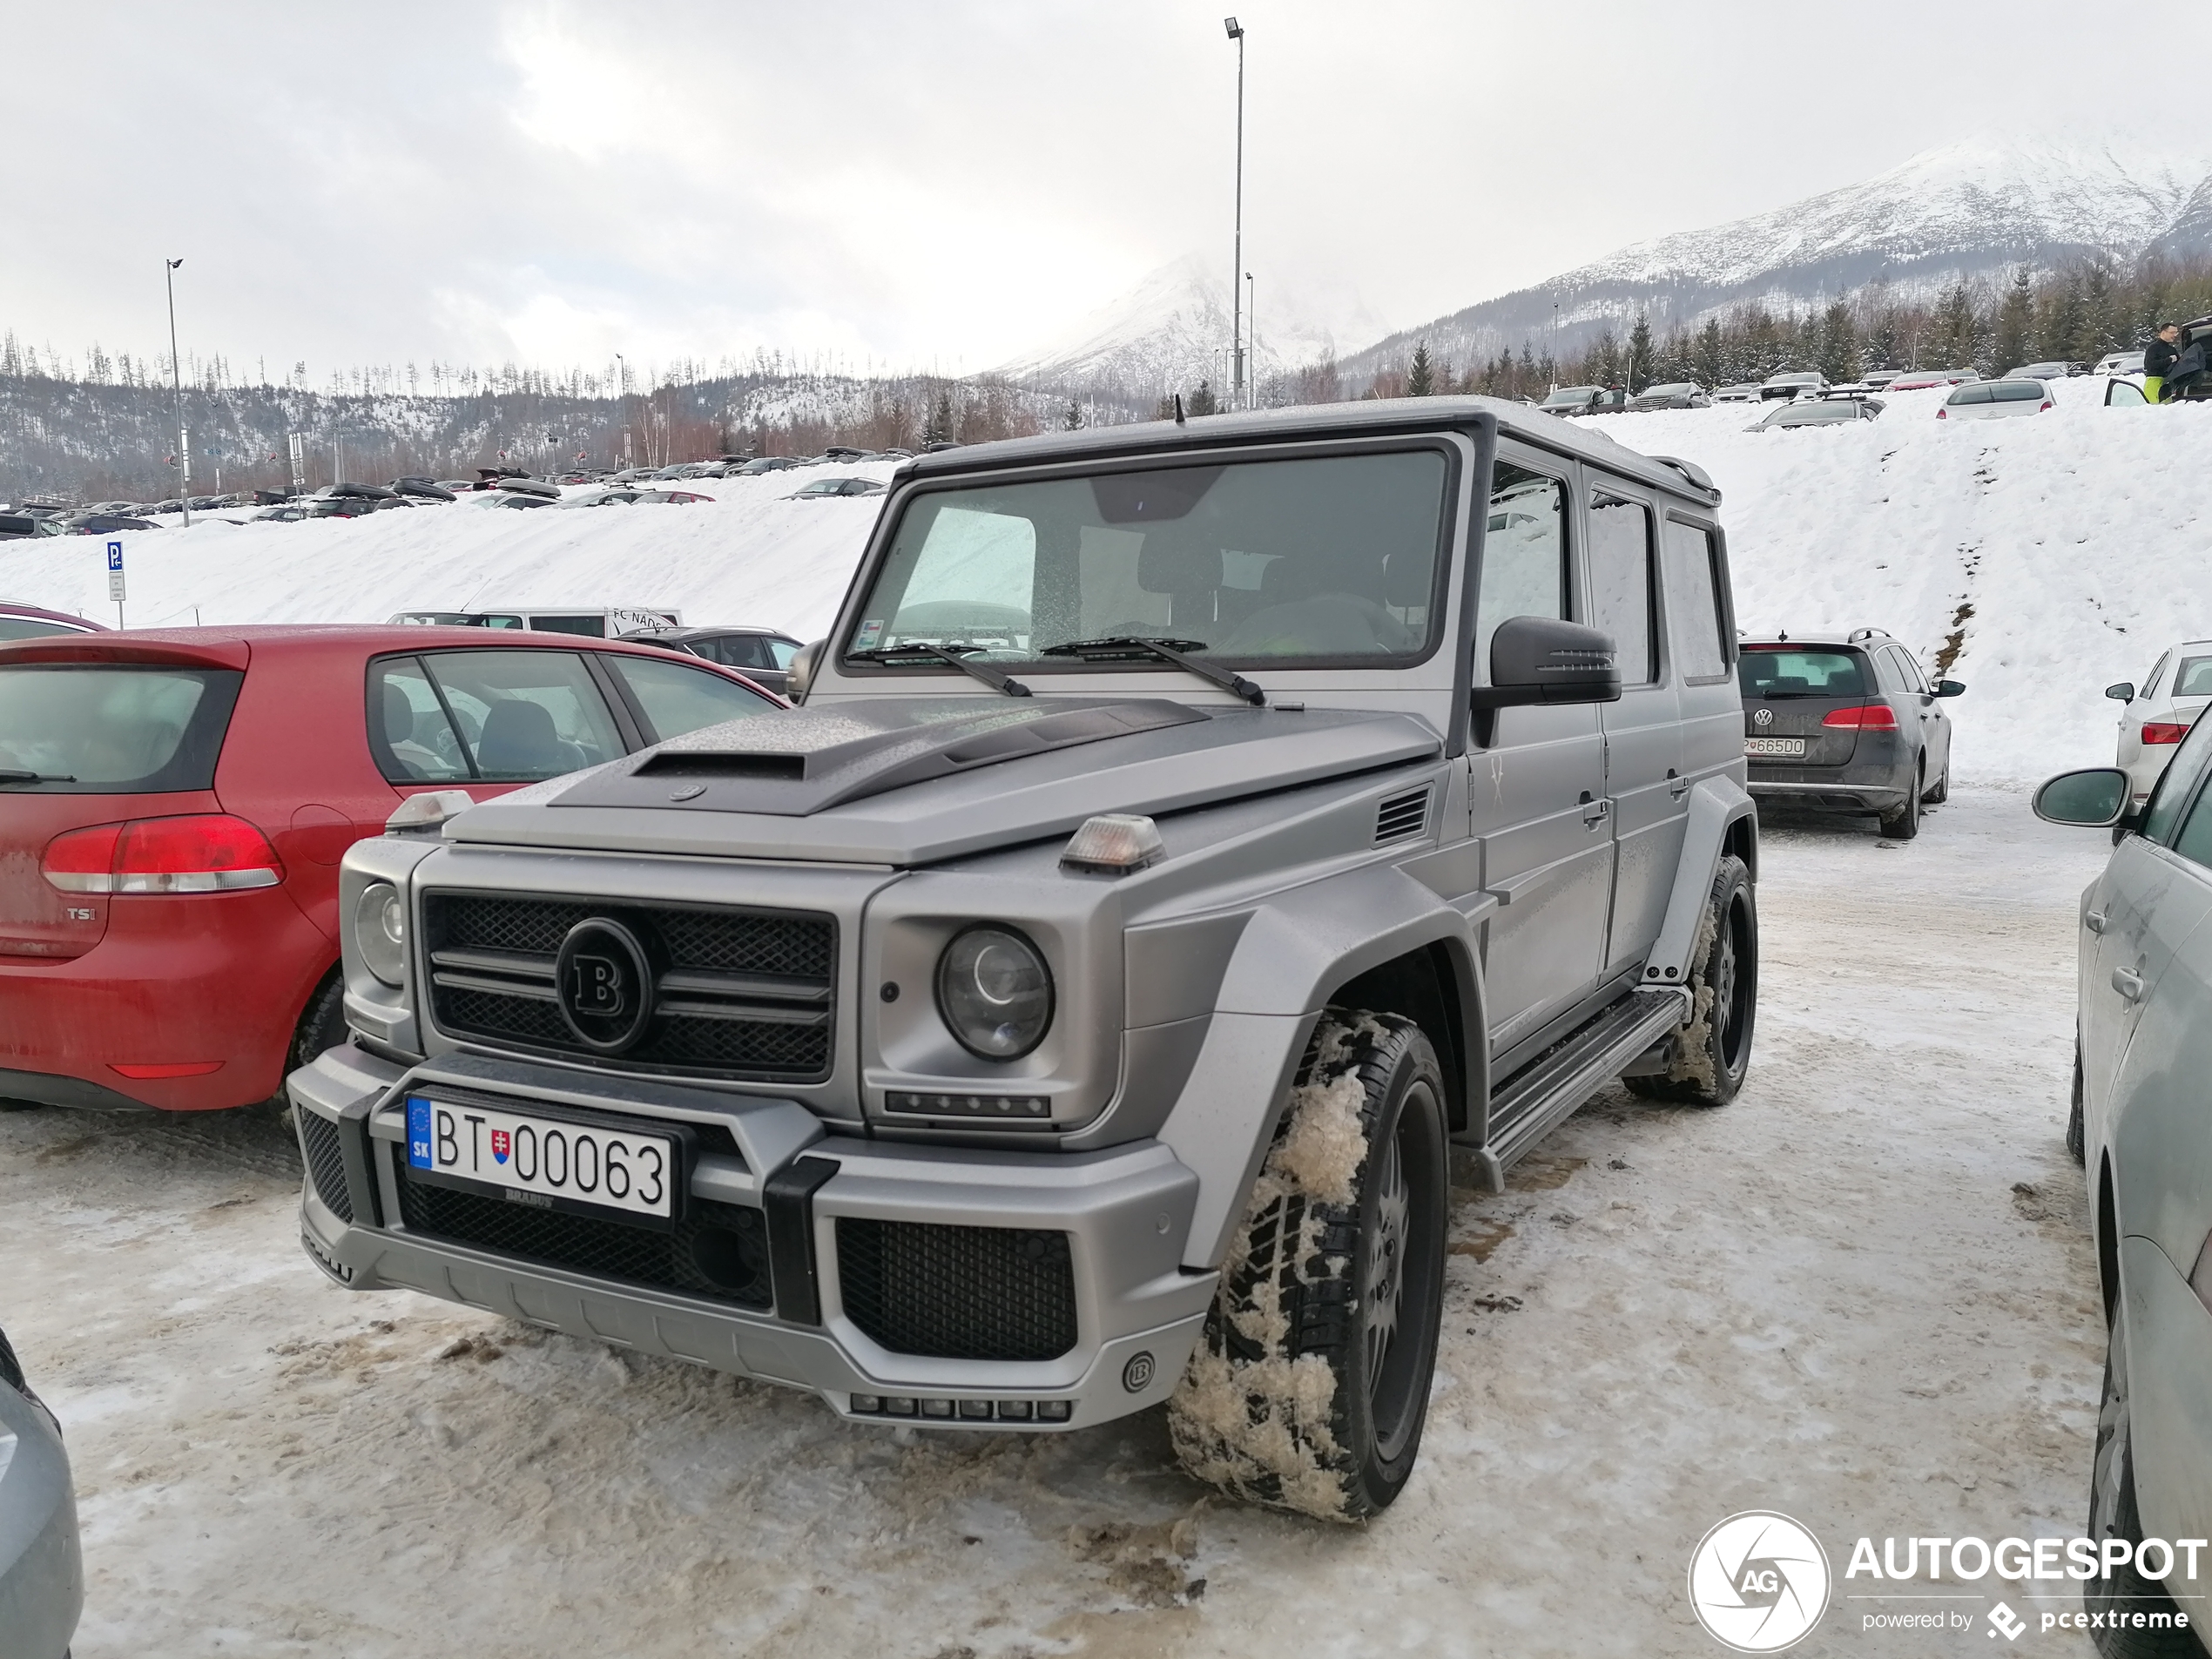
(2150,683)
(409,733)
(2172,793)
(675,699)
(1524,555)
(1621,584)
(1914,679)
(524,714)
(1687,564)
(1887,673)
(782,651)
(2194,842)
(594,627)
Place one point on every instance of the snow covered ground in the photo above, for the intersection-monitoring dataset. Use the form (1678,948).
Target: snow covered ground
(1862,1295)
(2066,550)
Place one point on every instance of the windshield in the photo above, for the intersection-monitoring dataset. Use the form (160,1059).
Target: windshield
(1767,671)
(1814,415)
(1677,390)
(1323,559)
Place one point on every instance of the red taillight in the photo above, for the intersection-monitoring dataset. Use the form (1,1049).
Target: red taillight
(203,853)
(2045,404)
(1943,414)
(2163,732)
(1875,717)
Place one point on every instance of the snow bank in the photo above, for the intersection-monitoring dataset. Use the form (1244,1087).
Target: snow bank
(2066,550)
(750,555)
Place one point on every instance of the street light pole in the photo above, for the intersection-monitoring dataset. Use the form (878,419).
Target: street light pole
(1236,294)
(1252,326)
(177,380)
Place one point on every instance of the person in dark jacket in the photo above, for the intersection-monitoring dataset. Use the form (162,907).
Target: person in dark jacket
(2159,358)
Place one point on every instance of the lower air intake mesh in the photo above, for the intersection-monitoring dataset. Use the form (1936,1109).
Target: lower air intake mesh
(718,1250)
(958,1292)
(326,1163)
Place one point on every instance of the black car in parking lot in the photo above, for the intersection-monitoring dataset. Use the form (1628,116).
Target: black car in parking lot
(1850,726)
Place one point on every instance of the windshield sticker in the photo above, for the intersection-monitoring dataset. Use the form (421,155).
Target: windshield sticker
(870,633)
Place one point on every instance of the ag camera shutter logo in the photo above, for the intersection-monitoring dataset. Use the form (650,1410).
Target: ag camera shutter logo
(1758,1582)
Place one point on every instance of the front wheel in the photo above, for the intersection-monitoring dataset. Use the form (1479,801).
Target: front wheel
(1310,1388)
(1713,1052)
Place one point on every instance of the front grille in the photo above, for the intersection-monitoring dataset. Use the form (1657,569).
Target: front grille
(718,1250)
(740,993)
(958,1292)
(326,1163)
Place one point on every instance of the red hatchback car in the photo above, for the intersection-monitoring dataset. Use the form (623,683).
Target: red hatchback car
(173,806)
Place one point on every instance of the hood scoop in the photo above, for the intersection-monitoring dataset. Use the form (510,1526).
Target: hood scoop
(796,762)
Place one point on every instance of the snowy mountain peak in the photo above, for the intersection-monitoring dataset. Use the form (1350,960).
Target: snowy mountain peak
(1970,209)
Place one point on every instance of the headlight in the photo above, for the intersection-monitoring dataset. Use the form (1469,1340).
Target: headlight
(995,992)
(380,929)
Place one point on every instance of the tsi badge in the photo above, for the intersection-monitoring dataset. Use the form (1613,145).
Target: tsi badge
(1758,1582)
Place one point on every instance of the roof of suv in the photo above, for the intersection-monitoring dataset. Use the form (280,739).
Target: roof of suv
(1376,415)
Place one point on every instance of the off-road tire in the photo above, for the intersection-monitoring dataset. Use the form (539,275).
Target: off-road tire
(1309,1384)
(323,1022)
(2077,1134)
(1905,823)
(1713,1052)
(2112,1513)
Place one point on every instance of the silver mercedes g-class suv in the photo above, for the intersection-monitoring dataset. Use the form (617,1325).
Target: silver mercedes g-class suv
(1189,833)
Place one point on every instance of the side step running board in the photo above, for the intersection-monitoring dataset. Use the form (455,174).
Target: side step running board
(1545,1093)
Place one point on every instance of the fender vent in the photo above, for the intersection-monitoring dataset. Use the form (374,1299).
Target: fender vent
(1401,817)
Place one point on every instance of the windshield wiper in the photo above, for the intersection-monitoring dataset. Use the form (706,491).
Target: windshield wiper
(8,775)
(1168,650)
(997,678)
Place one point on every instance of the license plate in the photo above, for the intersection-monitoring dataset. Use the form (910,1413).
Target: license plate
(544,1162)
(1773,746)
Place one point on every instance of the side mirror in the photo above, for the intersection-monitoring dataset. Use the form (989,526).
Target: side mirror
(2123,692)
(1950,688)
(2096,798)
(800,674)
(1542,659)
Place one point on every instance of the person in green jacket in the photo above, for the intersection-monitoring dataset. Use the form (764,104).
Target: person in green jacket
(2159,357)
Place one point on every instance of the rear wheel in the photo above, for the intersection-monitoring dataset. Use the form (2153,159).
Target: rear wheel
(1904,824)
(2112,1513)
(1941,793)
(1713,1051)
(1310,1388)
(2077,1135)
(323,1022)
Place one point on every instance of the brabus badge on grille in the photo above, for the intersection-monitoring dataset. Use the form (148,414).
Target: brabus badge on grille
(605,983)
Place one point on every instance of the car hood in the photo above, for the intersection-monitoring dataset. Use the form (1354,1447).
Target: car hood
(905,781)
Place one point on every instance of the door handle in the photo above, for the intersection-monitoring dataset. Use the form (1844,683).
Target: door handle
(2094,920)
(1677,786)
(2128,983)
(1596,812)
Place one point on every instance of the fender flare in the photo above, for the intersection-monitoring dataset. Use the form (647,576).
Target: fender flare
(1294,951)
(1716,804)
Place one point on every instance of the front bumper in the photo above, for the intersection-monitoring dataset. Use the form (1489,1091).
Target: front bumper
(1124,1214)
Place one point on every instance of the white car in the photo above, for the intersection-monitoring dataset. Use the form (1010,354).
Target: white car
(1995,401)
(2159,713)
(2120,363)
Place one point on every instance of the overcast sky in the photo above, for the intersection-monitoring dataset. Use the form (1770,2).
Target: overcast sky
(944,183)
